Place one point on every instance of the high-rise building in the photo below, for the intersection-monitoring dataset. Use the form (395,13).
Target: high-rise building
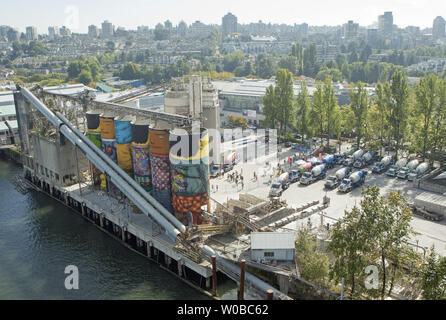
(53,32)
(182,29)
(439,28)
(4,33)
(372,36)
(13,35)
(31,33)
(65,32)
(385,24)
(143,29)
(168,25)
(351,29)
(93,31)
(107,29)
(199,30)
(229,24)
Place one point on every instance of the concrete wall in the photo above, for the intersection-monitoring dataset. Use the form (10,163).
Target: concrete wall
(57,159)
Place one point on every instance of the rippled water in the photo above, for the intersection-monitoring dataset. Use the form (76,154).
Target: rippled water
(39,237)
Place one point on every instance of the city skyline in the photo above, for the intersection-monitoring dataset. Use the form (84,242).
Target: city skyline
(80,15)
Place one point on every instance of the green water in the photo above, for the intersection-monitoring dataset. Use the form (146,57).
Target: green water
(40,237)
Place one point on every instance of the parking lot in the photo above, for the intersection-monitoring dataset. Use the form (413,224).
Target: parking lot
(430,232)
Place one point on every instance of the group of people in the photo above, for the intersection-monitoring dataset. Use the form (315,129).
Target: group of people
(236,178)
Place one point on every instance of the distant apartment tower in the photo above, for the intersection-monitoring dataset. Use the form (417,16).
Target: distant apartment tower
(182,29)
(4,32)
(439,28)
(303,30)
(143,29)
(93,31)
(65,32)
(107,29)
(53,32)
(351,29)
(229,24)
(13,35)
(385,24)
(372,36)
(31,33)
(199,30)
(168,25)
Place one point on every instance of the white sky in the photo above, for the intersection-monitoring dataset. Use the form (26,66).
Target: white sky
(131,13)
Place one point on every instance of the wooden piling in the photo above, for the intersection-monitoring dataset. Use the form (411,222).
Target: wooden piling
(242,280)
(214,274)
(269,294)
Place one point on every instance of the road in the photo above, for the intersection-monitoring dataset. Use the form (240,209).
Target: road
(431,233)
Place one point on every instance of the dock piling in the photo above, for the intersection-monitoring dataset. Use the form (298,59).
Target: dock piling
(214,274)
(242,280)
(269,294)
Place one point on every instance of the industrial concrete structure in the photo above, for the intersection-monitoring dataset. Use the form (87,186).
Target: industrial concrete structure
(197,99)
(58,160)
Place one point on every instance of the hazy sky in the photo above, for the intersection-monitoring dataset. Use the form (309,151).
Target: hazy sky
(78,14)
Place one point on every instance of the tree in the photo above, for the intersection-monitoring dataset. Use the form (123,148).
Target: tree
(130,71)
(313,265)
(379,113)
(303,105)
(359,104)
(290,63)
(399,107)
(348,245)
(269,107)
(379,228)
(85,77)
(238,122)
(426,101)
(264,67)
(317,118)
(233,60)
(330,103)
(439,116)
(284,98)
(346,71)
(310,66)
(325,73)
(297,51)
(434,277)
(388,225)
